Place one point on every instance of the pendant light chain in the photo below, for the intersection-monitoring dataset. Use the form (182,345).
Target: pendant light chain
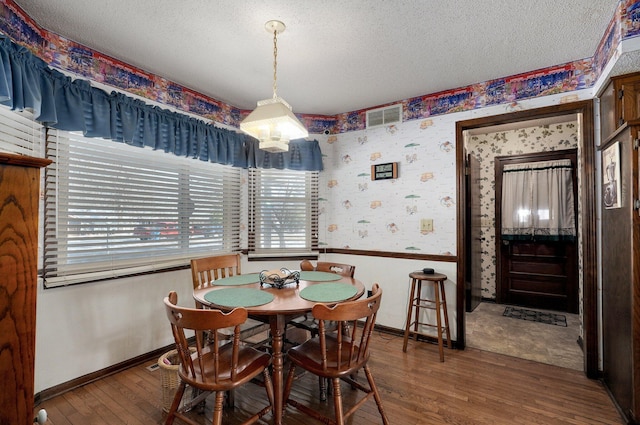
(275,62)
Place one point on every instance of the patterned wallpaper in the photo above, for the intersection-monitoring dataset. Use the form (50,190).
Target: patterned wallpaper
(359,213)
(485,148)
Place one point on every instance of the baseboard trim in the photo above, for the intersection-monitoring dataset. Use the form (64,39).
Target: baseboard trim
(155,354)
(421,338)
(94,376)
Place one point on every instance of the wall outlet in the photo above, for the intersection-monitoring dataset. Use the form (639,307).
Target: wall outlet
(426,225)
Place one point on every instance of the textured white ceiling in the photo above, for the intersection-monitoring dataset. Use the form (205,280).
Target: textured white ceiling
(335,55)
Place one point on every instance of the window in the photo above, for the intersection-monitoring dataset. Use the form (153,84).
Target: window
(112,209)
(537,201)
(19,133)
(283,212)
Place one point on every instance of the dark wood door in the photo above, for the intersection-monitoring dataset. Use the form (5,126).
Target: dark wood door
(536,274)
(474,235)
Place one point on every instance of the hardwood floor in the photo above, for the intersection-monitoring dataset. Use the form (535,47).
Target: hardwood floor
(470,387)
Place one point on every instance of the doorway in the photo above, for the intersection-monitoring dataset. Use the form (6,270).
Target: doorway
(586,233)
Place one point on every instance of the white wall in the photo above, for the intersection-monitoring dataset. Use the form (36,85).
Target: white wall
(84,328)
(392,274)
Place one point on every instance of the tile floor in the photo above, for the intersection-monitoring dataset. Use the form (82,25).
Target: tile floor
(489,330)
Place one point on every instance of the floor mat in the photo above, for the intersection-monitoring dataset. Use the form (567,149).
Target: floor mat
(535,316)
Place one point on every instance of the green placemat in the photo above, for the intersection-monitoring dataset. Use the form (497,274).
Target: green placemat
(328,292)
(319,276)
(241,279)
(238,297)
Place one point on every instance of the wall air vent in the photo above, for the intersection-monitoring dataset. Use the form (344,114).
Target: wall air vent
(384,116)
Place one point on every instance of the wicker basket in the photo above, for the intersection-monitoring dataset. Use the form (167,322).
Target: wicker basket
(169,378)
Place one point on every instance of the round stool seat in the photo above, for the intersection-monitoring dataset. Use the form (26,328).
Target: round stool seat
(435,277)
(438,304)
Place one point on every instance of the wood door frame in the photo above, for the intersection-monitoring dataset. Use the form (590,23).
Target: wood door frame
(473,238)
(585,111)
(500,161)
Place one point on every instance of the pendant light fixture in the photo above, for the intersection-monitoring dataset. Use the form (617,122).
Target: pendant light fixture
(273,122)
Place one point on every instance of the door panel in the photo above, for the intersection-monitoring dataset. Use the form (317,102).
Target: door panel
(537,274)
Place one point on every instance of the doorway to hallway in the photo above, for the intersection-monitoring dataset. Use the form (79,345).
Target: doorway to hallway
(583,116)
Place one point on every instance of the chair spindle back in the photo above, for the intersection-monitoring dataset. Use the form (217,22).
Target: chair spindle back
(355,323)
(184,319)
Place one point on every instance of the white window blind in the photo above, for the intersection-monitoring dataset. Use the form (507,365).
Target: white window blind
(283,212)
(19,133)
(113,209)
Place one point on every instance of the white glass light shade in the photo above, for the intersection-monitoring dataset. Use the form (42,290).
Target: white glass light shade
(273,124)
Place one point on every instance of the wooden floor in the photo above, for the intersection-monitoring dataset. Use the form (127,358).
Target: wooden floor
(470,387)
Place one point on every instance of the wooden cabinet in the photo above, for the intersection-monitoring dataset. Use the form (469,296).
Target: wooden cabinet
(619,103)
(620,114)
(19,198)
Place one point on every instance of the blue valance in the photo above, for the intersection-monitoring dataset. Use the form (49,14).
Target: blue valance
(302,156)
(26,82)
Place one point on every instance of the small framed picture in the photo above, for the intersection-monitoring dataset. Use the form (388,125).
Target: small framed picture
(384,171)
(611,176)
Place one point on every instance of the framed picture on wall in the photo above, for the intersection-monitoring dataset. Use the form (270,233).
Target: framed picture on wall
(611,176)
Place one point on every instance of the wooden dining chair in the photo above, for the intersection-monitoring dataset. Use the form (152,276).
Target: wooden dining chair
(306,321)
(214,367)
(338,355)
(204,271)
(346,270)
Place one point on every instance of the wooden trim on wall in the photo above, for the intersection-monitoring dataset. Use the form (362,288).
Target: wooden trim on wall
(584,109)
(388,254)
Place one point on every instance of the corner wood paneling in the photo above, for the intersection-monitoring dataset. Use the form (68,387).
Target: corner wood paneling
(635,324)
(621,281)
(19,198)
(617,276)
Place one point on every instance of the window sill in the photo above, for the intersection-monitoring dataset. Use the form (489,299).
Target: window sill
(282,256)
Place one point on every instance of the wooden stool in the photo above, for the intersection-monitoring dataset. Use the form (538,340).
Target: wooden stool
(439,304)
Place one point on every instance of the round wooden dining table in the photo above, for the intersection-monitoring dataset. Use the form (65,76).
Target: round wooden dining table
(278,306)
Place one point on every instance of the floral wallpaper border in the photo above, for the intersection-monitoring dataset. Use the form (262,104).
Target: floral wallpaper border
(68,55)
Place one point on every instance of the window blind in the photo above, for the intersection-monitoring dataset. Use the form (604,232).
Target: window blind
(19,133)
(112,209)
(283,212)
